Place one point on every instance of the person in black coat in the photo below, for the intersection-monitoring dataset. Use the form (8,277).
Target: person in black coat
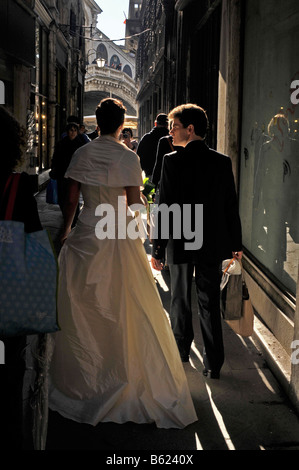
(62,156)
(165,146)
(147,146)
(200,180)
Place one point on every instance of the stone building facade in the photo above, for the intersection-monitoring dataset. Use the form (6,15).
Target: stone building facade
(133,26)
(150,62)
(42,71)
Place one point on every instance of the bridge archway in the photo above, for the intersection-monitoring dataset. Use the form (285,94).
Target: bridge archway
(102,82)
(93,98)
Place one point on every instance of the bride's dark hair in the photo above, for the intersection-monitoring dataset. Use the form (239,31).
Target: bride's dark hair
(110,114)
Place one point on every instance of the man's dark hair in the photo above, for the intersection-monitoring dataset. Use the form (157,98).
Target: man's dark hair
(191,114)
(162,120)
(110,115)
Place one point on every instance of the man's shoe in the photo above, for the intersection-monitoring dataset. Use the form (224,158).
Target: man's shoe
(210,374)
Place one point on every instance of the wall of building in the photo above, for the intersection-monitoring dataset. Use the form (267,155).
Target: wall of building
(17,59)
(42,69)
(150,64)
(133,26)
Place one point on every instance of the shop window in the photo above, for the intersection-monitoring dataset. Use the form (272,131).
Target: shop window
(40,159)
(269,178)
(73,23)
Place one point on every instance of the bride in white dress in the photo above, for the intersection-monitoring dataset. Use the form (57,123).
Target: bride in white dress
(115,358)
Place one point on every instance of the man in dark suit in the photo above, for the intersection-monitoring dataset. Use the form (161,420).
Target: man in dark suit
(199,180)
(147,147)
(164,146)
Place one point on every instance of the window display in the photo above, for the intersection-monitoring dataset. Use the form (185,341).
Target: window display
(269,179)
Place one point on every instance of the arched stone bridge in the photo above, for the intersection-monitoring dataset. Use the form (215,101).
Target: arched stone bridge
(102,82)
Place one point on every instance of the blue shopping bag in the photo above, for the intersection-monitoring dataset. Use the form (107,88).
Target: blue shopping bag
(28,276)
(52,192)
(28,281)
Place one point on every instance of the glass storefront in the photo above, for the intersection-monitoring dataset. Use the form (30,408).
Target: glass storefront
(269,178)
(41,98)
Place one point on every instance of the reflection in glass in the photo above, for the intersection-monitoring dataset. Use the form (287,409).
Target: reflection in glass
(269,179)
(275,226)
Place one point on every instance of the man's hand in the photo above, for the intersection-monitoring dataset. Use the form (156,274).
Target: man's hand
(156,264)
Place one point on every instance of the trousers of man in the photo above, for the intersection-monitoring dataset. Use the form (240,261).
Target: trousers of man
(207,282)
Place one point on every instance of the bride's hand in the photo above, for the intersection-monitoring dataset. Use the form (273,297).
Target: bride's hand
(64,236)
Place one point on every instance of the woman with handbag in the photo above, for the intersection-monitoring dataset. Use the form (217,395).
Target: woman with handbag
(25,210)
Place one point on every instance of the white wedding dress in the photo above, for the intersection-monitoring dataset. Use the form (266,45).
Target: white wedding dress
(115,358)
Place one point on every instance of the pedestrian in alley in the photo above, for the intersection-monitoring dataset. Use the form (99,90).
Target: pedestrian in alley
(16,433)
(127,138)
(165,146)
(81,129)
(62,156)
(94,134)
(196,174)
(115,358)
(147,147)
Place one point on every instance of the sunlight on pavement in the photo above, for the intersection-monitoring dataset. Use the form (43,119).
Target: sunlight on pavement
(264,378)
(258,369)
(216,412)
(220,421)
(197,353)
(197,441)
(163,284)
